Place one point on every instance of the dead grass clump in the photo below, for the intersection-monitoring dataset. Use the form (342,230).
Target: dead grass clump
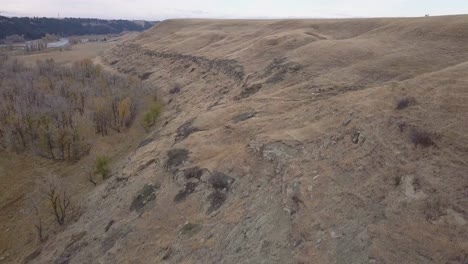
(176,157)
(176,89)
(216,200)
(220,181)
(397,180)
(405,102)
(189,189)
(190,229)
(146,195)
(185,130)
(421,138)
(145,76)
(193,173)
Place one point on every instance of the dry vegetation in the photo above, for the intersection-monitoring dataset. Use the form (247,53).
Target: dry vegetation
(56,111)
(281,141)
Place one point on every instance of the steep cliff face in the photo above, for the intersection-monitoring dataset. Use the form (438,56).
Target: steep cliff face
(292,141)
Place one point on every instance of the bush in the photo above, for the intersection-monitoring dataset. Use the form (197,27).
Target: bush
(176,157)
(101,166)
(405,102)
(216,200)
(176,89)
(150,117)
(220,181)
(188,189)
(422,138)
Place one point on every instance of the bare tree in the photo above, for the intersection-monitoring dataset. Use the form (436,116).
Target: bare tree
(38,225)
(60,202)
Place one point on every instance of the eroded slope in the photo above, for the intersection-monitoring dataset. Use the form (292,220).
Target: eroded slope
(281,142)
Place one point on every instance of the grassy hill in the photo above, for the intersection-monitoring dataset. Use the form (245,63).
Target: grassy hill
(287,141)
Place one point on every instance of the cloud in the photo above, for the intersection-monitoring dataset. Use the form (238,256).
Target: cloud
(162,9)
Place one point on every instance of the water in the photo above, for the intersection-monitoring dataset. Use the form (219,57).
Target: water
(58,44)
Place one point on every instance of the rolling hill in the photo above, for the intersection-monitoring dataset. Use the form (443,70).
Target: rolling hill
(288,141)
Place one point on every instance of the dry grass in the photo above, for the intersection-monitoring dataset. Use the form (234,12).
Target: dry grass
(296,146)
(76,53)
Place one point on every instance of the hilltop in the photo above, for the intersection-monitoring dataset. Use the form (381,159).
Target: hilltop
(288,141)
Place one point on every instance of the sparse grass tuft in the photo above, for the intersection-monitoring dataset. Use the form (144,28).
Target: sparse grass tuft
(150,117)
(422,138)
(405,102)
(101,166)
(176,89)
(397,180)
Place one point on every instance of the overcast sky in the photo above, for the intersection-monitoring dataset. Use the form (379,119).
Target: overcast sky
(163,9)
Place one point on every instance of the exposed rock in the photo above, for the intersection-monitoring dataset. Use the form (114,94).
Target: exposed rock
(146,195)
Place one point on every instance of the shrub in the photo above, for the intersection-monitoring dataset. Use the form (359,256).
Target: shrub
(176,157)
(189,189)
(397,180)
(216,200)
(422,138)
(193,173)
(190,229)
(150,117)
(220,181)
(405,102)
(176,89)
(101,166)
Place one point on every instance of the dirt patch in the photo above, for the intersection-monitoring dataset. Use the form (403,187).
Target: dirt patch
(146,195)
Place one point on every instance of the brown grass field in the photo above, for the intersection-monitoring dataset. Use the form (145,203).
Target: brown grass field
(317,141)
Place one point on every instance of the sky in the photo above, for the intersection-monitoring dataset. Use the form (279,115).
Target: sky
(164,9)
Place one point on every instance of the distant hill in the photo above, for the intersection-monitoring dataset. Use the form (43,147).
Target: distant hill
(34,28)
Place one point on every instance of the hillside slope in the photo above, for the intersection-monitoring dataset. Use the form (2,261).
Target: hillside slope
(281,142)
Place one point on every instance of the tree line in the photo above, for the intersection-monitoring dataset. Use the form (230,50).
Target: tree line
(55,111)
(37,27)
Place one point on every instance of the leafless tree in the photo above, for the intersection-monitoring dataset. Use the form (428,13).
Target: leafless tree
(59,201)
